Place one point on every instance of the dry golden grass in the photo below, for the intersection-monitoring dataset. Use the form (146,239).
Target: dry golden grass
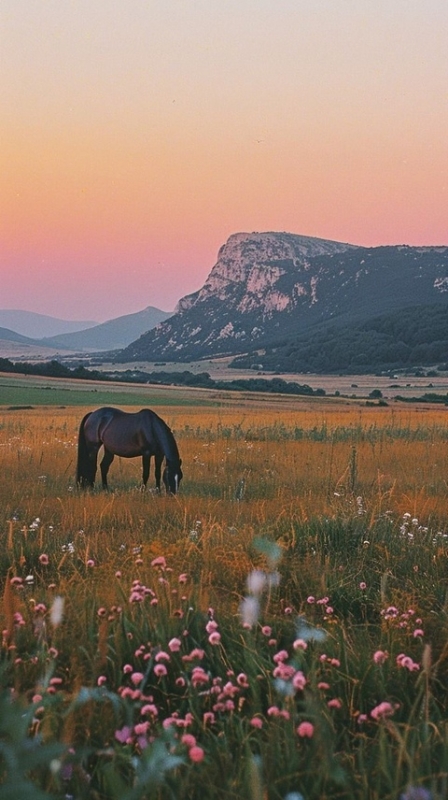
(259,468)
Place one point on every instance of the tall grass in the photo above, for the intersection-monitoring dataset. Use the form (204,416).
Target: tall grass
(279,628)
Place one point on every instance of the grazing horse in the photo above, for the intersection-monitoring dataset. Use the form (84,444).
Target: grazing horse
(128,435)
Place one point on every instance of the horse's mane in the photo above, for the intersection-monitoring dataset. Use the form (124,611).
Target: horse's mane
(165,437)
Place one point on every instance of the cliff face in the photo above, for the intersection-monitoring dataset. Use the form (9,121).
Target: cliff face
(267,285)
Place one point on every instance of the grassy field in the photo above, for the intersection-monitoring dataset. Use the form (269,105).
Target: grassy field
(277,630)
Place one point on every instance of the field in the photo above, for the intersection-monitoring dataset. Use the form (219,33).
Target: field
(278,630)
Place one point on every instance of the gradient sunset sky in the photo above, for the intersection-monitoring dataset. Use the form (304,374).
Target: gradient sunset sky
(137,135)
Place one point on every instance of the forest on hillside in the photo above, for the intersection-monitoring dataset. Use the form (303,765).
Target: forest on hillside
(415,337)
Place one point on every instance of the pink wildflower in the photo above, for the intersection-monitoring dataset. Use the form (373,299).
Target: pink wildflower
(266,630)
(101,680)
(127,669)
(273,711)
(380,656)
(137,678)
(43,558)
(363,585)
(334,703)
(90,562)
(256,722)
(418,632)
(299,681)
(214,638)
(124,734)
(174,645)
(188,739)
(282,655)
(162,656)
(208,718)
(196,754)
(382,710)
(160,670)
(211,626)
(305,730)
(158,562)
(300,644)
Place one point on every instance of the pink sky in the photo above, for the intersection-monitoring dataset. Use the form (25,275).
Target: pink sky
(137,135)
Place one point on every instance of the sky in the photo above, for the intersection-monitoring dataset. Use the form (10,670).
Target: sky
(137,135)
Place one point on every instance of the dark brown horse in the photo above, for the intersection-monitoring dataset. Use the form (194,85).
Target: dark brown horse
(128,435)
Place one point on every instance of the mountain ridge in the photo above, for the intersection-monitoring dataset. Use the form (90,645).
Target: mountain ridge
(266,286)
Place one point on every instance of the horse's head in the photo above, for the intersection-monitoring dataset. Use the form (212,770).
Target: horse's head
(172,476)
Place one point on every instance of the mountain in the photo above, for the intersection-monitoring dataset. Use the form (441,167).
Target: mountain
(7,335)
(111,335)
(37,326)
(268,289)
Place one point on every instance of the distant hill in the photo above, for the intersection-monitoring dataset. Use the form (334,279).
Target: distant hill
(11,336)
(271,293)
(114,334)
(36,326)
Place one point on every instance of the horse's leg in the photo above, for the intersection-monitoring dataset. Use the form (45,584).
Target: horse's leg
(104,466)
(92,456)
(158,470)
(146,462)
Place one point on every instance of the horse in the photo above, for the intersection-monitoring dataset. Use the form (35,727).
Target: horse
(142,433)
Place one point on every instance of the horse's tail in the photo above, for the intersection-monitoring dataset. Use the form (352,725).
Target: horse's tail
(83,463)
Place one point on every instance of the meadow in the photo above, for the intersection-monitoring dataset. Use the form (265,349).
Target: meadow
(276,631)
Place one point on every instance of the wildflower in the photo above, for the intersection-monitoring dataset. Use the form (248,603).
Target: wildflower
(299,681)
(256,582)
(196,754)
(288,610)
(418,632)
(256,722)
(382,710)
(334,703)
(416,793)
(208,718)
(127,669)
(57,611)
(241,680)
(311,599)
(160,670)
(249,610)
(380,656)
(363,585)
(282,655)
(43,559)
(299,644)
(137,678)
(149,708)
(101,612)
(183,578)
(211,626)
(101,680)
(162,656)
(305,730)
(158,562)
(174,645)
(188,739)
(90,562)
(273,711)
(118,573)
(214,638)
(266,630)
(323,685)
(124,734)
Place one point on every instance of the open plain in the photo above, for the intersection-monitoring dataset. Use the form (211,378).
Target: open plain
(278,629)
